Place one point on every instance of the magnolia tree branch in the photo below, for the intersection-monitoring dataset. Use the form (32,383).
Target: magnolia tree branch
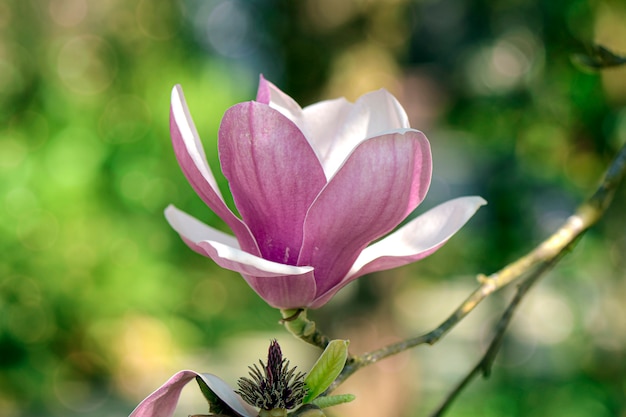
(484,365)
(527,269)
(531,266)
(547,253)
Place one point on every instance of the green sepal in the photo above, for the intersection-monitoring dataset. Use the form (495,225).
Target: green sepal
(326,369)
(216,405)
(331,400)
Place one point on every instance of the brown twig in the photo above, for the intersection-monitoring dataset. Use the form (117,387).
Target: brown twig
(485,363)
(532,265)
(591,211)
(548,252)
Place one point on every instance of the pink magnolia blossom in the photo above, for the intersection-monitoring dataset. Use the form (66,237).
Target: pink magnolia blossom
(314,188)
(163,401)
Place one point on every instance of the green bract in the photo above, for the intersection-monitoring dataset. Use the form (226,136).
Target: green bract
(326,369)
(332,400)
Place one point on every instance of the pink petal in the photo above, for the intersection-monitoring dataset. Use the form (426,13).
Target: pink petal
(192,160)
(324,126)
(163,401)
(274,176)
(223,249)
(320,123)
(382,181)
(285,292)
(193,230)
(280,285)
(245,263)
(269,94)
(264,92)
(336,127)
(416,240)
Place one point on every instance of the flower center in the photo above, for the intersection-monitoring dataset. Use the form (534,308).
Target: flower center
(274,387)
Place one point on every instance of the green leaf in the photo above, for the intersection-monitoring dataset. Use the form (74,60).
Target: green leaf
(330,400)
(326,369)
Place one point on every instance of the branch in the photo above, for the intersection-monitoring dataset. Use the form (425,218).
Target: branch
(597,203)
(548,252)
(484,365)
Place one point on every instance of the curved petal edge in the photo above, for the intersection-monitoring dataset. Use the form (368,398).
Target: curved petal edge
(163,401)
(419,236)
(192,160)
(415,240)
(192,229)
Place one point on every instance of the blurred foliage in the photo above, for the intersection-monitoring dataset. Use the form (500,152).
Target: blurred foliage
(100,301)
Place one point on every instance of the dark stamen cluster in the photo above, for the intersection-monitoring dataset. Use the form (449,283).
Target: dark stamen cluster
(277,386)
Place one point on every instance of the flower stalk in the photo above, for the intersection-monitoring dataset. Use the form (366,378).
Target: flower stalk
(297,323)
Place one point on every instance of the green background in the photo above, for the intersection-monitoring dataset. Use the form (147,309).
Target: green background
(100,301)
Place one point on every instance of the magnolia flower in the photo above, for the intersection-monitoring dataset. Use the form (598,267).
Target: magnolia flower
(314,188)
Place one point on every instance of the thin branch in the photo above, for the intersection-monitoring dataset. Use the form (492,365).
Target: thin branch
(599,202)
(486,362)
(548,251)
